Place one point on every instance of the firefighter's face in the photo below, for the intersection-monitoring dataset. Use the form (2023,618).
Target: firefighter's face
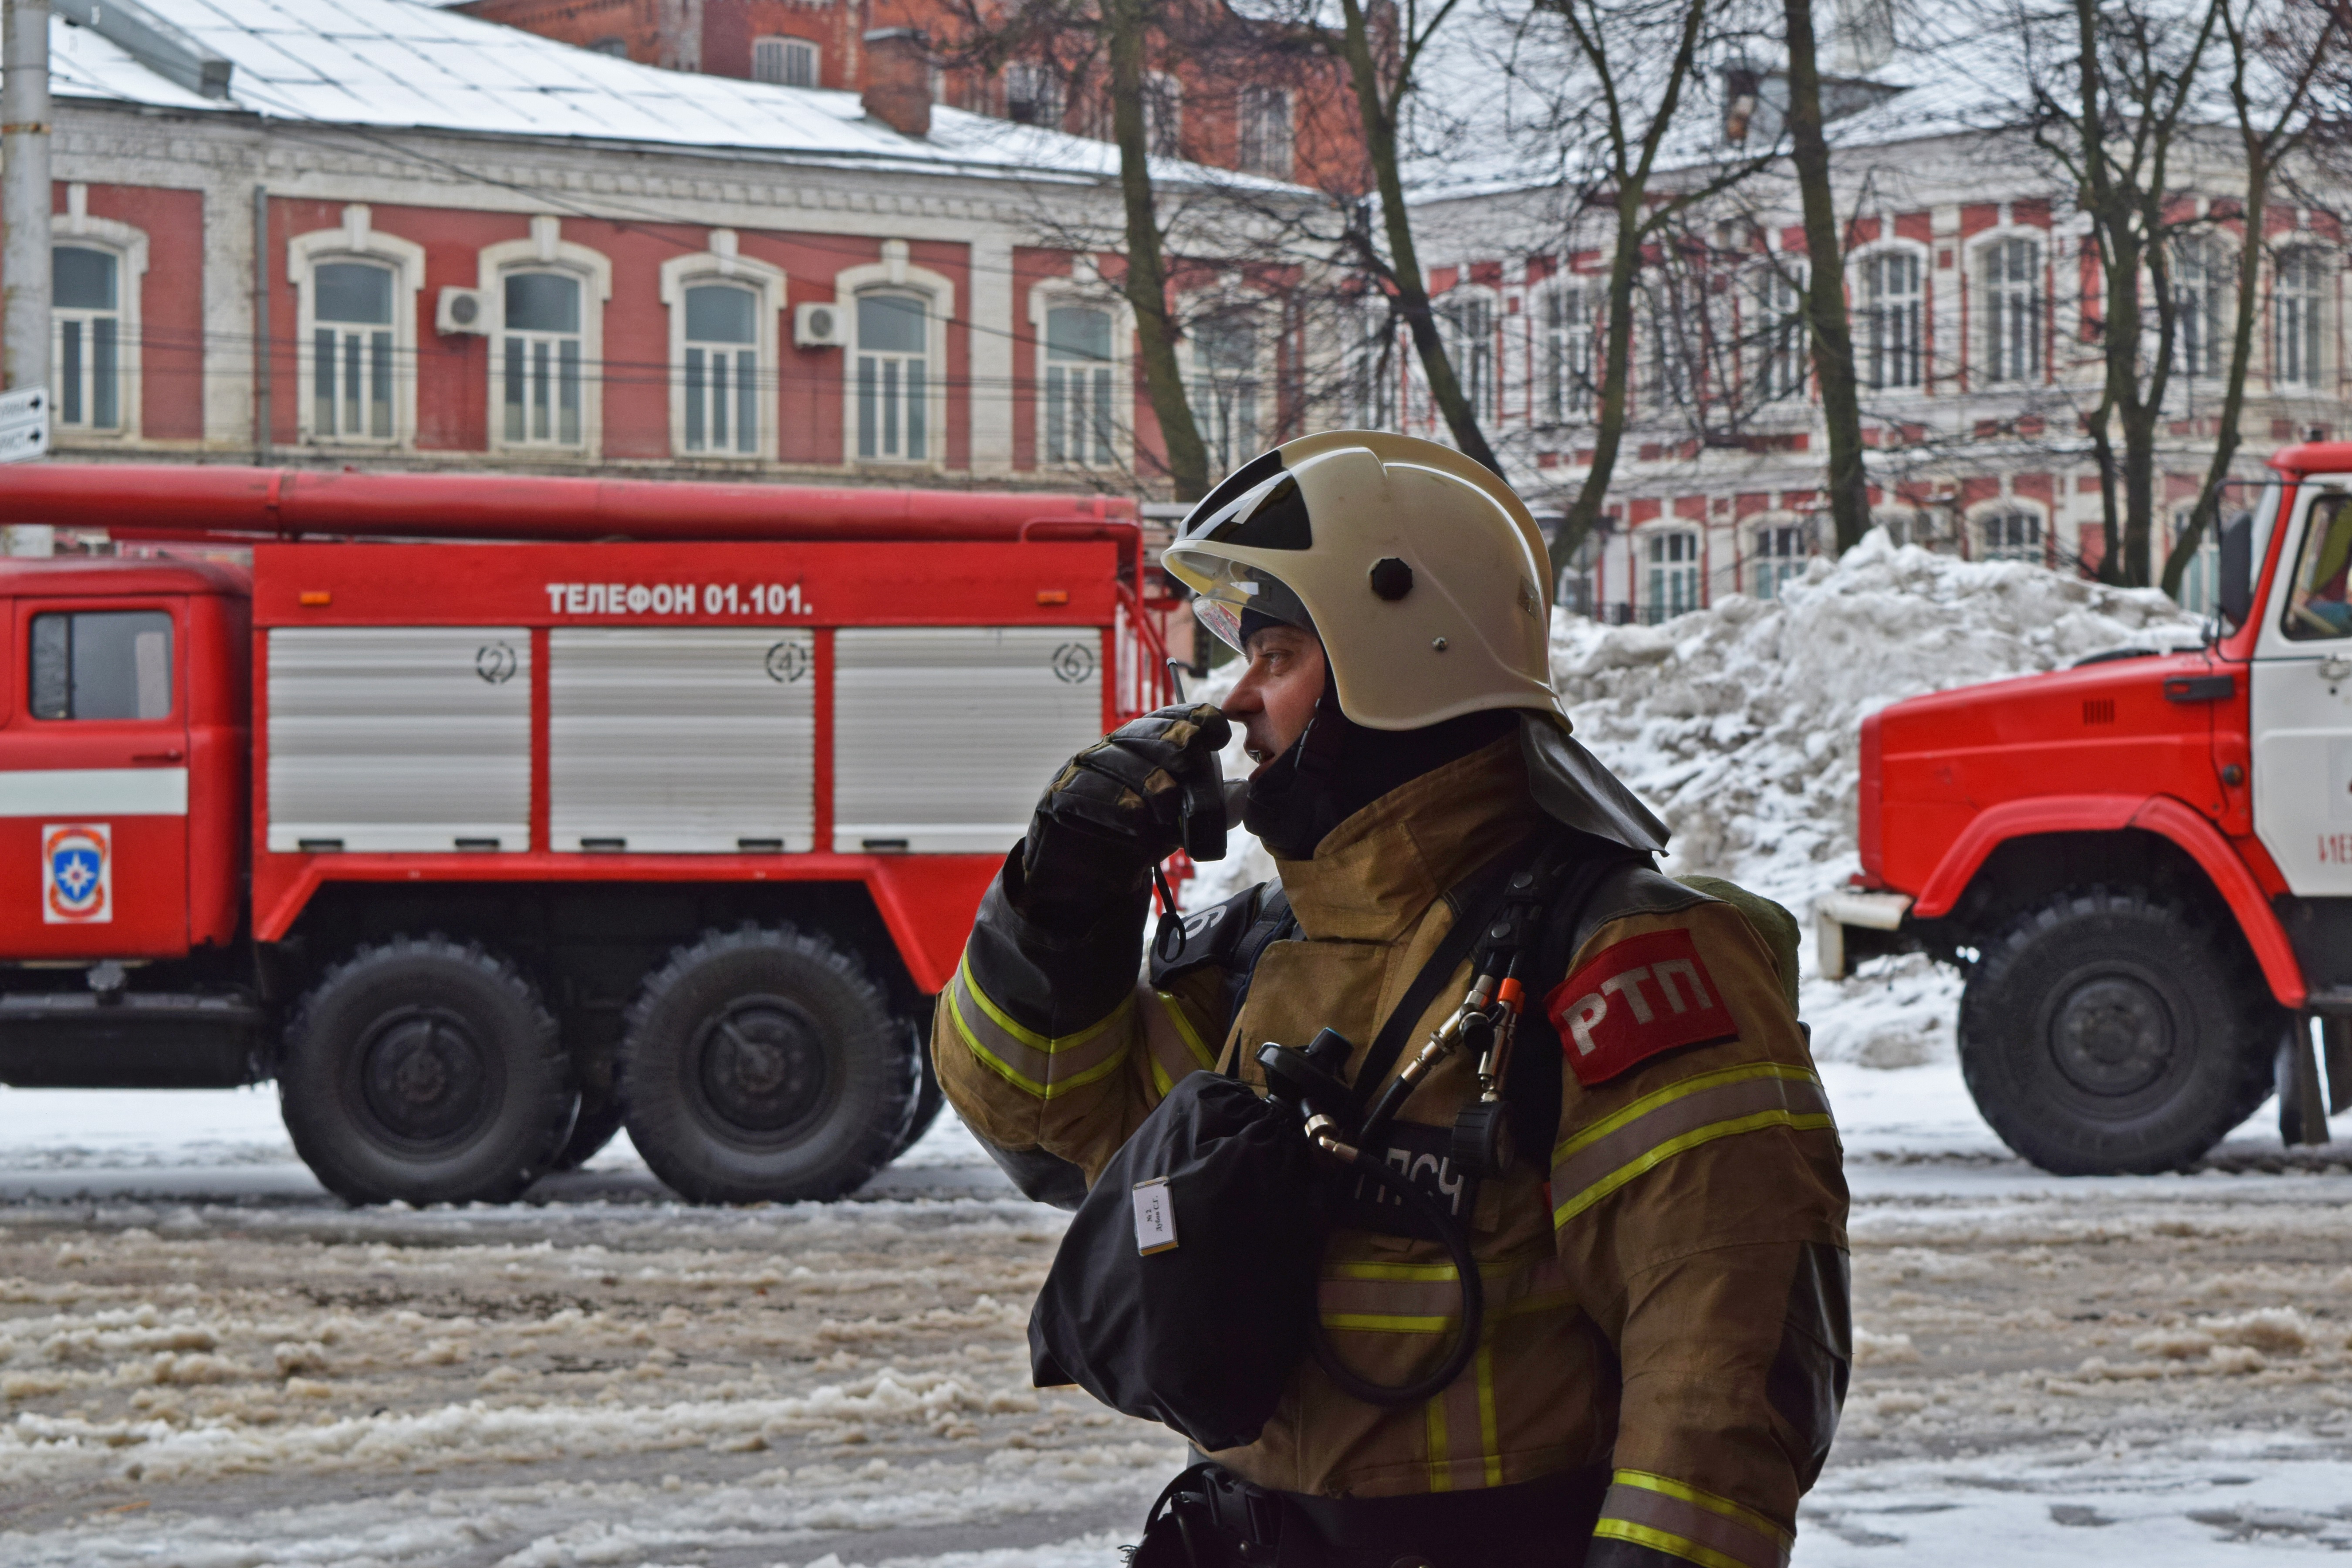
(1276,693)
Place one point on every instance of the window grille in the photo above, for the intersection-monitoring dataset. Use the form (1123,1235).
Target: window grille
(2295,312)
(1673,575)
(2012,273)
(1890,280)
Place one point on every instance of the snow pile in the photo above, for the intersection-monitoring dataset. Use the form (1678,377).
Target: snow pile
(1740,723)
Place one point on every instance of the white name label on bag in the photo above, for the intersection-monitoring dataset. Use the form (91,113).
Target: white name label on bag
(1155,1217)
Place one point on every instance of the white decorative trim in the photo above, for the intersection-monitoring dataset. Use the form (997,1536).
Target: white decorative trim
(894,270)
(547,251)
(724,258)
(357,239)
(129,246)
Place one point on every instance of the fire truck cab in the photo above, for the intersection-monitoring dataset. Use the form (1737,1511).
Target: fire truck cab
(2143,863)
(486,824)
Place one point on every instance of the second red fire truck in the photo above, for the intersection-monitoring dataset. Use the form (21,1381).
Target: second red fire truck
(489,814)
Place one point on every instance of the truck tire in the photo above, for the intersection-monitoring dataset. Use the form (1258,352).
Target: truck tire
(426,1070)
(2112,1032)
(762,1063)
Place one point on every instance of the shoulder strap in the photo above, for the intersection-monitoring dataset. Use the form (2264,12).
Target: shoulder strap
(1274,922)
(1477,900)
(1533,1088)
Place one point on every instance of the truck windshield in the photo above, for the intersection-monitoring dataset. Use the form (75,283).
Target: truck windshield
(102,664)
(2317,604)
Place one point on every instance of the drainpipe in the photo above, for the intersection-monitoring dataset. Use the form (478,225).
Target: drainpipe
(261,367)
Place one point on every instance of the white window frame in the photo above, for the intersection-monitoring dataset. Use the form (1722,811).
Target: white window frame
(1565,383)
(724,262)
(1067,293)
(1996,369)
(1986,550)
(1374,369)
(1163,115)
(1040,86)
(895,274)
(2202,265)
(1228,450)
(1681,578)
(357,240)
(1783,366)
(1479,372)
(1896,360)
(1266,135)
(777,52)
(2299,317)
(547,251)
(76,227)
(1774,564)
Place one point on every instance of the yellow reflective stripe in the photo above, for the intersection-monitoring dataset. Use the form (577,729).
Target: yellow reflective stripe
(1175,1045)
(1489,1442)
(1673,1146)
(1695,1084)
(1423,1298)
(1036,1064)
(1737,1512)
(1663,1540)
(1441,1472)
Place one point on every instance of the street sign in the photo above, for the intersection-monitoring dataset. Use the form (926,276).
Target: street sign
(24,423)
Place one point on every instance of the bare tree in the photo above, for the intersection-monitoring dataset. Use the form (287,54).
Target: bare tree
(2278,54)
(1825,309)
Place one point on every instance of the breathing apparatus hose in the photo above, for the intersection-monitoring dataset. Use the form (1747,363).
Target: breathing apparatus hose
(1474,1304)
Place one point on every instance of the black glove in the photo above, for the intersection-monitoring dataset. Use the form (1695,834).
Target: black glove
(1119,808)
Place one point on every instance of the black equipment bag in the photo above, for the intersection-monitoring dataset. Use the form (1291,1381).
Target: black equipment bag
(1200,1336)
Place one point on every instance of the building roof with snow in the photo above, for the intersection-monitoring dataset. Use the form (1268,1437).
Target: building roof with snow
(404,64)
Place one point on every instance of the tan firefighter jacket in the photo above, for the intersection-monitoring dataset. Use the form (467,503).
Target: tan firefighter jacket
(1665,1286)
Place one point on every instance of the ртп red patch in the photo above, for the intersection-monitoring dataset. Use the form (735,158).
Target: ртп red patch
(1643,995)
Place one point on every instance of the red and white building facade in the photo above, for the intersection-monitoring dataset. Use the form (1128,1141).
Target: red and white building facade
(1976,314)
(432,241)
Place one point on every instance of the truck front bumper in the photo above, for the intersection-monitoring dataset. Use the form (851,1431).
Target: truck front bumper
(1833,912)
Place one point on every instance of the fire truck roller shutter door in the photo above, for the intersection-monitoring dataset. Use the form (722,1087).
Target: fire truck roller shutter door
(940,733)
(681,740)
(399,738)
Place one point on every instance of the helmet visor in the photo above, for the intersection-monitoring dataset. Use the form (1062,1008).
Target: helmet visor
(1226,590)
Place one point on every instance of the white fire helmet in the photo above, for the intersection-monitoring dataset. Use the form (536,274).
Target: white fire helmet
(1424,574)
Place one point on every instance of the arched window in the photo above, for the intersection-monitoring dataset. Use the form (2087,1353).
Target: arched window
(539,348)
(2012,294)
(1672,559)
(1782,549)
(1225,377)
(893,376)
(351,350)
(2295,316)
(2012,534)
(1468,317)
(1079,383)
(2200,268)
(86,352)
(356,331)
(722,369)
(1568,321)
(1781,357)
(1895,320)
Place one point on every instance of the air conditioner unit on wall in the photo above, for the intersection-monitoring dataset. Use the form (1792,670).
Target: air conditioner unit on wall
(820,325)
(462,310)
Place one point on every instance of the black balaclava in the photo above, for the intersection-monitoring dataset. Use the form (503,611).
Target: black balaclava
(1337,766)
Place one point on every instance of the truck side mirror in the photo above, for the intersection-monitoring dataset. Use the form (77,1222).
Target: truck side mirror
(2234,593)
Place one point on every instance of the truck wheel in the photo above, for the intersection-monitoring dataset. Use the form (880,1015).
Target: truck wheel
(763,1063)
(929,1096)
(426,1070)
(2110,1031)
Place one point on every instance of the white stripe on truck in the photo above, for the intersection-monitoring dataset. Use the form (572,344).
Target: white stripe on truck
(95,791)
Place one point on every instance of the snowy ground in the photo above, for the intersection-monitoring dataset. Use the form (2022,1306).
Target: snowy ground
(205,1362)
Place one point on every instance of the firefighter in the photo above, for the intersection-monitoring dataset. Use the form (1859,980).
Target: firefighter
(1666,1338)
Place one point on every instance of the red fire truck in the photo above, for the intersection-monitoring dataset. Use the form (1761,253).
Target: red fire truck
(487,813)
(2144,863)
